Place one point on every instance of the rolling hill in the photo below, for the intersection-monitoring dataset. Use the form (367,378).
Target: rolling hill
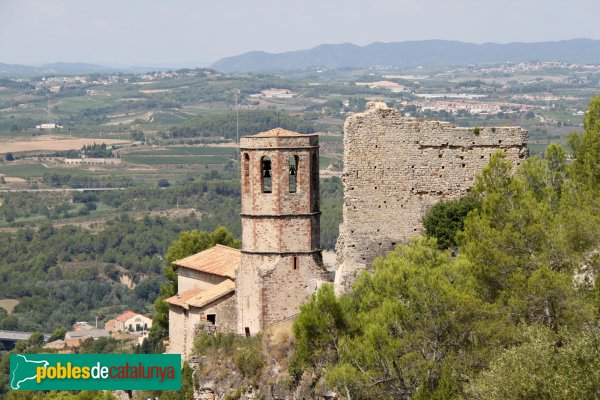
(413,54)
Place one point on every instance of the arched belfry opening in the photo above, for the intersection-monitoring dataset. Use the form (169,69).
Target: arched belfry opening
(266,174)
(293,164)
(246,174)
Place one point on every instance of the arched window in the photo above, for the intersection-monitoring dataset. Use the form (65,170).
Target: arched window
(293,160)
(266,179)
(314,185)
(246,173)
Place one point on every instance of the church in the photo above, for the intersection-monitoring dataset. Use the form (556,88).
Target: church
(280,262)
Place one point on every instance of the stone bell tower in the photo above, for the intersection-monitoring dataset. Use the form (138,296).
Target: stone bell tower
(281,262)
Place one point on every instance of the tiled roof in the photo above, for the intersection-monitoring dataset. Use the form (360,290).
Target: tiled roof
(57,344)
(125,315)
(181,298)
(218,260)
(73,342)
(200,297)
(209,295)
(93,333)
(277,132)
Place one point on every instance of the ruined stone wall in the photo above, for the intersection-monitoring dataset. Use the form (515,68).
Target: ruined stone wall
(395,168)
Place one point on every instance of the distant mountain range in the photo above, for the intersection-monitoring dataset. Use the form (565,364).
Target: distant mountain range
(61,68)
(413,54)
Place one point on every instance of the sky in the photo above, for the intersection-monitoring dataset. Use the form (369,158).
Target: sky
(195,33)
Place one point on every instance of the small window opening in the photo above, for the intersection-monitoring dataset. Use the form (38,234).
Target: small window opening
(212,318)
(246,172)
(293,161)
(267,180)
(247,331)
(295,263)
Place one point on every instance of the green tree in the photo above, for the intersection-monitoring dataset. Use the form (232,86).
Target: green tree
(318,329)
(586,146)
(522,241)
(408,330)
(59,333)
(544,366)
(444,219)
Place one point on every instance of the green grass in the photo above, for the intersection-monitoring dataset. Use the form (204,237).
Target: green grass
(324,161)
(331,138)
(102,208)
(156,160)
(31,170)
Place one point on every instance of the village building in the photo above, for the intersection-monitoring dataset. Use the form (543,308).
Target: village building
(128,321)
(84,334)
(205,296)
(82,326)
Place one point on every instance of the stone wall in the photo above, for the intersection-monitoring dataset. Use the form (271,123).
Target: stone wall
(188,279)
(271,288)
(395,168)
(225,310)
(185,323)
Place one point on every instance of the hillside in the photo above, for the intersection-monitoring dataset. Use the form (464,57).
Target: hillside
(413,54)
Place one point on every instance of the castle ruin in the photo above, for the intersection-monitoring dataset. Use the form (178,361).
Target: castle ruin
(395,168)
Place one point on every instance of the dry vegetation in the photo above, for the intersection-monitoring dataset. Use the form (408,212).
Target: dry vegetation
(51,143)
(9,304)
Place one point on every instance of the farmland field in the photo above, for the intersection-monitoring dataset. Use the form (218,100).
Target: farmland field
(182,151)
(190,159)
(30,170)
(51,143)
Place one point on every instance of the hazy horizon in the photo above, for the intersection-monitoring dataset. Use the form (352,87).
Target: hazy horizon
(189,34)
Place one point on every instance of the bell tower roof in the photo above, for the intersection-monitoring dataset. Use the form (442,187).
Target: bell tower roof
(279,132)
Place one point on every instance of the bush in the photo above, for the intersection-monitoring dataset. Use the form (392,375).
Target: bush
(249,358)
(445,218)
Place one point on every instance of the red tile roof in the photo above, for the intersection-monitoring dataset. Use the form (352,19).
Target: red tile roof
(125,315)
(218,260)
(180,299)
(209,295)
(200,297)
